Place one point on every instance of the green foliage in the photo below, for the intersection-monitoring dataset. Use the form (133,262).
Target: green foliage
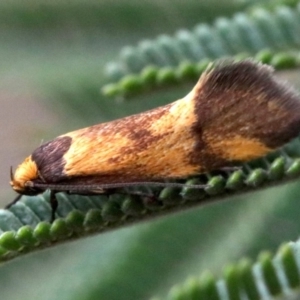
(61,49)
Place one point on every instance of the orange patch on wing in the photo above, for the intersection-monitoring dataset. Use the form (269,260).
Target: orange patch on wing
(160,149)
(238,148)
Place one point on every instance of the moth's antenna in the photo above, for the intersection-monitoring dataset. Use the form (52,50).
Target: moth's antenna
(87,187)
(11,174)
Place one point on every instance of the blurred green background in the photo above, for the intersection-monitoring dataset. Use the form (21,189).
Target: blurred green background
(53,53)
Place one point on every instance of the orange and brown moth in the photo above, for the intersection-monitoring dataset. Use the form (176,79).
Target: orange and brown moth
(237,112)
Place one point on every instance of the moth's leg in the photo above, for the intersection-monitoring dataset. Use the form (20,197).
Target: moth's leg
(54,204)
(13,202)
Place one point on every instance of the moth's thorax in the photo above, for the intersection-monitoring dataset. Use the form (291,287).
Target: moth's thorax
(27,171)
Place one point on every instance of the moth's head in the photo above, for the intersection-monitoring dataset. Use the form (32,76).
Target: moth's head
(25,173)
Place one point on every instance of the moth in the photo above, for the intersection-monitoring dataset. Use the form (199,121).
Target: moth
(236,112)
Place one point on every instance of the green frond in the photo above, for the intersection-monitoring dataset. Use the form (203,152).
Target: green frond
(276,29)
(270,276)
(154,79)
